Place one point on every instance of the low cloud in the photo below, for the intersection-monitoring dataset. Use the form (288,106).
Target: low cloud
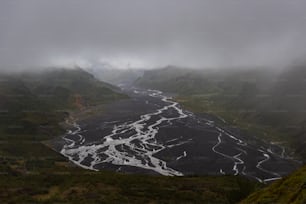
(151,33)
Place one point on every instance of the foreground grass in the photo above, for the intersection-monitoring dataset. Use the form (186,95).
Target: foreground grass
(73,185)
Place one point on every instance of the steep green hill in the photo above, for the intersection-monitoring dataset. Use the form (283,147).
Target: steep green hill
(291,189)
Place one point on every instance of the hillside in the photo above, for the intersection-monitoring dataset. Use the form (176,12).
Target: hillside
(32,106)
(291,189)
(269,104)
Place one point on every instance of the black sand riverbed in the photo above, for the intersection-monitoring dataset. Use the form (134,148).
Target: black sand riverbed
(149,133)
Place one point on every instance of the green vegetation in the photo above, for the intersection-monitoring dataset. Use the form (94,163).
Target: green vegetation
(291,189)
(73,185)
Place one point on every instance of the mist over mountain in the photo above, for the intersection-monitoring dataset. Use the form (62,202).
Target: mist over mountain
(114,75)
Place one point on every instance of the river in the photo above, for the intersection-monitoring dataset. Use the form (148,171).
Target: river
(151,133)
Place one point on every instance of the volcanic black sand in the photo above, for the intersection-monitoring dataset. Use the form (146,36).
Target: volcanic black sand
(150,133)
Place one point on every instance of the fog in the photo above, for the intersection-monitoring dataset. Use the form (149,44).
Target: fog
(151,33)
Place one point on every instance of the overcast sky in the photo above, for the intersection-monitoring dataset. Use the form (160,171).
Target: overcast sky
(152,33)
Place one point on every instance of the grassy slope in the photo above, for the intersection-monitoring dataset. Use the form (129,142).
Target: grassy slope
(32,105)
(32,102)
(268,104)
(291,189)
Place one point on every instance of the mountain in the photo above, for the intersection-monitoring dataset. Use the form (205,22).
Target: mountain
(30,100)
(271,104)
(194,81)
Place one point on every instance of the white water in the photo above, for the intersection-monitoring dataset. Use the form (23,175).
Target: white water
(141,157)
(238,161)
(182,156)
